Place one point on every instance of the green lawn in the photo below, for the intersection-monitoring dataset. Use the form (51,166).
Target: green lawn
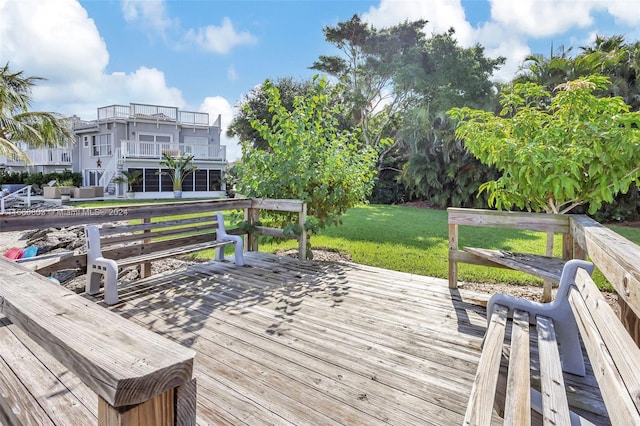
(415,240)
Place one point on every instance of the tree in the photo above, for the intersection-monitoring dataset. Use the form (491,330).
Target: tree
(439,168)
(371,60)
(609,56)
(580,149)
(577,149)
(310,159)
(179,168)
(19,124)
(254,105)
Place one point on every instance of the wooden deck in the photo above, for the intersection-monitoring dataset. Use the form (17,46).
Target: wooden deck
(287,342)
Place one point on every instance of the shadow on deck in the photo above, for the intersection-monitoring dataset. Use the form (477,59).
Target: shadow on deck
(282,341)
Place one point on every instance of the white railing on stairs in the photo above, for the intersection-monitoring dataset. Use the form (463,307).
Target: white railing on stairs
(20,194)
(110,170)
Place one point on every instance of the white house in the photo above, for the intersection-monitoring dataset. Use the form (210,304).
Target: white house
(134,137)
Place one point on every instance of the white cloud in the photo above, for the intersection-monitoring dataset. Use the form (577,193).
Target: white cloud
(217,105)
(219,39)
(627,12)
(56,40)
(53,39)
(150,13)
(541,18)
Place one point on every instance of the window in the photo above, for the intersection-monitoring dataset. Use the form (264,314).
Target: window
(215,180)
(152,137)
(101,145)
(151,180)
(196,140)
(201,180)
(165,181)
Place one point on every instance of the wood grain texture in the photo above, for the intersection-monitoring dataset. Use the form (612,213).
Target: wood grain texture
(518,395)
(295,206)
(615,256)
(612,352)
(123,363)
(186,396)
(86,215)
(158,411)
(555,407)
(509,220)
(480,407)
(289,342)
(540,266)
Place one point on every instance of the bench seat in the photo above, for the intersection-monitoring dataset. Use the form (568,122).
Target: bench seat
(37,389)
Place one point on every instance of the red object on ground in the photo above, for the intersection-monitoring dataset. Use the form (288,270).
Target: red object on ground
(14,253)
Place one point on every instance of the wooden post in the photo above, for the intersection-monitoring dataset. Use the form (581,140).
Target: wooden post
(302,241)
(568,246)
(453,247)
(145,268)
(175,406)
(159,411)
(251,216)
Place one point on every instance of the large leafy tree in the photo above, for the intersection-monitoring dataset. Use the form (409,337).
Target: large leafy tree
(368,68)
(555,155)
(310,158)
(19,124)
(579,149)
(620,62)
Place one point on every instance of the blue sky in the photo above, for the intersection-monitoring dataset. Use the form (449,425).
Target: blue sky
(204,55)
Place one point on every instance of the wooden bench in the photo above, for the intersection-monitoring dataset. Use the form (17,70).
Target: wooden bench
(124,245)
(578,314)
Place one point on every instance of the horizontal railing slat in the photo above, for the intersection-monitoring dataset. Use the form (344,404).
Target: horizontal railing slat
(509,220)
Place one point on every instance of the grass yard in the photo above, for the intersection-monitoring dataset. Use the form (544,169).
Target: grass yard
(415,240)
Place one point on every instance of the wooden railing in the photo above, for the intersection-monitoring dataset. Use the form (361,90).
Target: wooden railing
(252,216)
(583,238)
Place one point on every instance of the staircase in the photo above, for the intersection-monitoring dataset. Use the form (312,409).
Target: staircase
(113,168)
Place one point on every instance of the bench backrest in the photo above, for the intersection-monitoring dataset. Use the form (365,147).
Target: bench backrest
(126,240)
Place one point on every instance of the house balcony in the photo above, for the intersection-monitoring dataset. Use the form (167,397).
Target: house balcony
(44,157)
(154,113)
(154,150)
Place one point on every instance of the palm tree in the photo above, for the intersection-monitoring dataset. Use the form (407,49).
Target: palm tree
(179,168)
(19,124)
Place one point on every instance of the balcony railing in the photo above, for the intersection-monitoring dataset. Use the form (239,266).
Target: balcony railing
(154,150)
(152,112)
(44,157)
